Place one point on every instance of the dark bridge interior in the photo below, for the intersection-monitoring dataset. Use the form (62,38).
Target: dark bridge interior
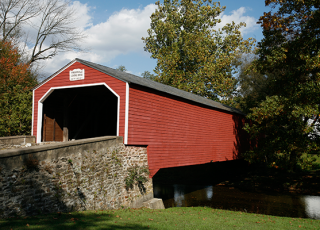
(78,113)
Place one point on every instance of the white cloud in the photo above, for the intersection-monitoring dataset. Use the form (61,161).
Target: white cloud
(238,16)
(82,14)
(120,34)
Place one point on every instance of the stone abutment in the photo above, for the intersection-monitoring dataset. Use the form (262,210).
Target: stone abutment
(87,174)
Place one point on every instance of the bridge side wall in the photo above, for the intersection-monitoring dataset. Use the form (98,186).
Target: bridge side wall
(179,132)
(87,174)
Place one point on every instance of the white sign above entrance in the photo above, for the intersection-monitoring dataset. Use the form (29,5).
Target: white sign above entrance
(76,74)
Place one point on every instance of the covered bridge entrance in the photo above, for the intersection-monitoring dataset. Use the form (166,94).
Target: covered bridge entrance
(78,113)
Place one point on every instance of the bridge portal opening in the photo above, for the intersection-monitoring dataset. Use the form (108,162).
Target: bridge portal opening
(78,113)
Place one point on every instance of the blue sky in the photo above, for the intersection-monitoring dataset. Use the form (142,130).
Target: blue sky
(115,28)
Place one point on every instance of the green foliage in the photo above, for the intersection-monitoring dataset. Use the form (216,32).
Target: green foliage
(310,162)
(136,175)
(191,53)
(148,75)
(16,82)
(15,115)
(115,157)
(287,121)
(253,87)
(122,68)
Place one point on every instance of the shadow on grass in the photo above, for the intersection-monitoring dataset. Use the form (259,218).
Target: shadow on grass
(75,220)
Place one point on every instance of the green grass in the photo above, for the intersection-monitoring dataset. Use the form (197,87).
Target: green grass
(172,218)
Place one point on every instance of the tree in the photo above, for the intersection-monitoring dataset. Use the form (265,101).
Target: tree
(148,75)
(191,53)
(13,14)
(53,22)
(122,68)
(287,121)
(16,80)
(253,86)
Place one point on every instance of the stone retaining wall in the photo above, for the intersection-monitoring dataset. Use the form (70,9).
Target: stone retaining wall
(80,175)
(17,142)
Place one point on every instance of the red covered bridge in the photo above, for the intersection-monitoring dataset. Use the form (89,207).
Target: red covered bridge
(84,100)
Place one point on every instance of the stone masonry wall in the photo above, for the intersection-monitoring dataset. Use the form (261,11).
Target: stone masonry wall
(87,180)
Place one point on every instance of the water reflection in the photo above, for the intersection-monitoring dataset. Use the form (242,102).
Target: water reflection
(209,191)
(178,195)
(312,206)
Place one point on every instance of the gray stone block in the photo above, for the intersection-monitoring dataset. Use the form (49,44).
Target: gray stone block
(154,203)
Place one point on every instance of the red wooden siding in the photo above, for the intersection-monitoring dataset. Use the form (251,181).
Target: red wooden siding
(179,132)
(91,76)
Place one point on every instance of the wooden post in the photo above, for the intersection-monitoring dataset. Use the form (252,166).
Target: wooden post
(65,120)
(54,129)
(65,134)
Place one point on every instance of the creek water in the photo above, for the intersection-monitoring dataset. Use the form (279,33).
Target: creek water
(198,185)
(184,195)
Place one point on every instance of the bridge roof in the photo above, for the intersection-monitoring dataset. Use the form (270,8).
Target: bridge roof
(130,78)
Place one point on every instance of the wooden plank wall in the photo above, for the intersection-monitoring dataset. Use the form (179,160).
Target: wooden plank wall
(52,130)
(91,76)
(179,132)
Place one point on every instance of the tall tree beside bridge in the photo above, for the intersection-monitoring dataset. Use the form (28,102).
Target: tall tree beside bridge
(16,80)
(287,121)
(192,53)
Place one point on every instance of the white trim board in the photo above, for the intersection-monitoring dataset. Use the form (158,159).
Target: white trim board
(32,120)
(47,94)
(127,115)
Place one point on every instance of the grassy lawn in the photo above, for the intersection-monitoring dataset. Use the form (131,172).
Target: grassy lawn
(172,218)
